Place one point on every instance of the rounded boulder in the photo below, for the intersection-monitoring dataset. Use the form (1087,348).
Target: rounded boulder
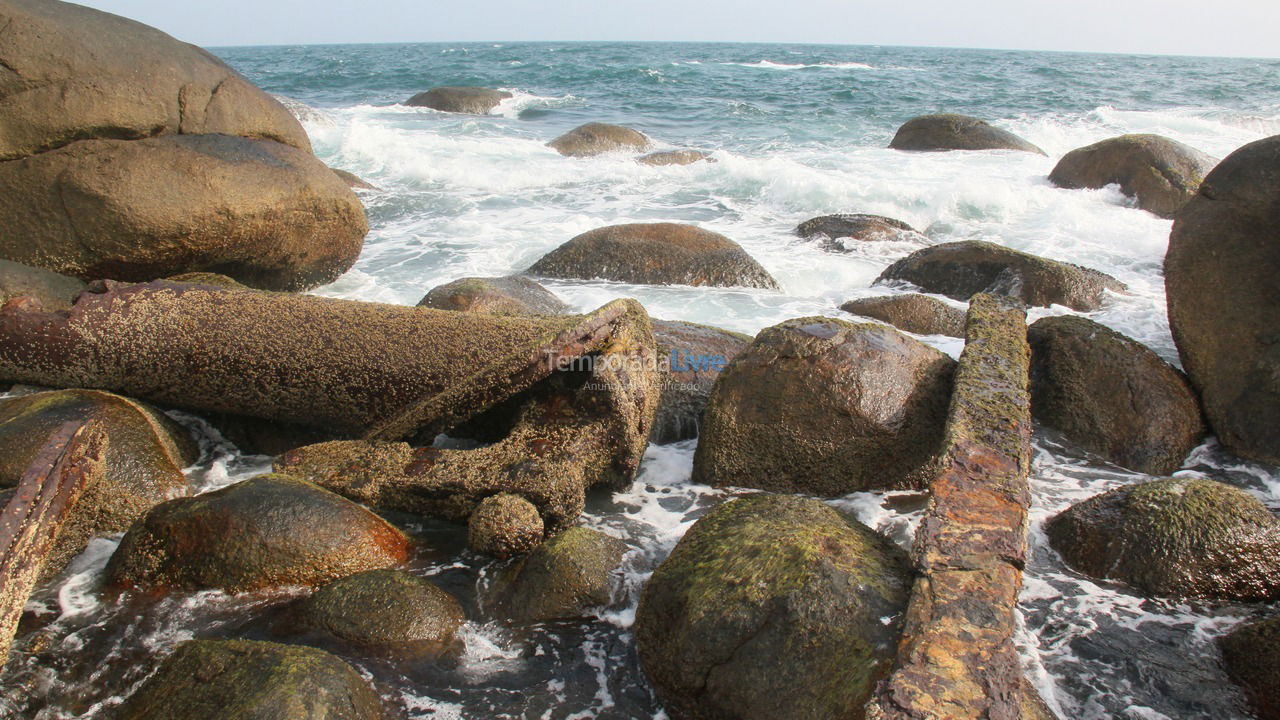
(839,233)
(504,525)
(509,295)
(956,132)
(562,579)
(1162,174)
(388,611)
(912,312)
(598,139)
(693,355)
(470,100)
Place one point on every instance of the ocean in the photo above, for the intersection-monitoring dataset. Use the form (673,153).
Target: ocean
(797,131)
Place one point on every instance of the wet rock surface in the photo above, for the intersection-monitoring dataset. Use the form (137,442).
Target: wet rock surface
(694,356)
(471,100)
(1251,654)
(1162,174)
(504,525)
(599,138)
(565,577)
(912,312)
(508,295)
(839,232)
(956,132)
(675,157)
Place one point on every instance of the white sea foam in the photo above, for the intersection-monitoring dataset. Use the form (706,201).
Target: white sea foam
(770,65)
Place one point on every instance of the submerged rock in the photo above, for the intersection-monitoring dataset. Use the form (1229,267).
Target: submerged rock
(838,232)
(772,607)
(503,525)
(675,157)
(956,132)
(270,531)
(55,292)
(655,254)
(562,579)
(963,269)
(1112,395)
(388,611)
(145,454)
(1176,537)
(694,355)
(1251,654)
(1220,281)
(1162,174)
(471,100)
(509,295)
(826,407)
(250,680)
(599,138)
(912,312)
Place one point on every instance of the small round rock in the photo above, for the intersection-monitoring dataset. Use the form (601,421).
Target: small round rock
(504,525)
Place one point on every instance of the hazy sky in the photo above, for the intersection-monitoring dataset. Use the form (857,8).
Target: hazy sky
(1227,27)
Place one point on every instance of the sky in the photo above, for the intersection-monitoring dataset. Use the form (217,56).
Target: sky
(1237,28)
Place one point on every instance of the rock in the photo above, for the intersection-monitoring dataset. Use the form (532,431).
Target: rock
(388,611)
(1251,654)
(1177,537)
(599,138)
(912,312)
(826,407)
(1162,174)
(269,215)
(1220,281)
(250,680)
(503,525)
(655,254)
(471,100)
(1112,395)
(205,278)
(567,575)
(69,73)
(693,355)
(675,157)
(956,132)
(510,295)
(839,233)
(55,292)
(145,454)
(353,181)
(772,607)
(304,112)
(962,269)
(270,531)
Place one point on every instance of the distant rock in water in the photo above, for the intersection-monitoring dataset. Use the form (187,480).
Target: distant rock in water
(509,295)
(304,112)
(694,355)
(838,232)
(1112,395)
(913,312)
(1177,537)
(675,157)
(1162,174)
(1220,280)
(956,132)
(599,138)
(1251,654)
(963,269)
(471,100)
(826,407)
(655,254)
(353,181)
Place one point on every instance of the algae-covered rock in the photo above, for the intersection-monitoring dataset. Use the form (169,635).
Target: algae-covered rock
(772,607)
(54,291)
(956,132)
(1162,174)
(249,680)
(599,138)
(146,452)
(270,531)
(655,254)
(675,157)
(1251,654)
(963,269)
(563,578)
(509,295)
(840,232)
(470,100)
(912,312)
(388,611)
(503,525)
(1112,395)
(1176,537)
(693,355)
(826,407)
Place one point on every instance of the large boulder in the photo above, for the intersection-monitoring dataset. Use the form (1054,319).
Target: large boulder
(1176,537)
(71,73)
(1220,281)
(471,100)
(54,291)
(249,680)
(599,138)
(956,132)
(772,607)
(270,215)
(963,269)
(675,157)
(509,295)
(839,233)
(912,312)
(146,452)
(693,356)
(388,611)
(266,532)
(826,407)
(1251,654)
(1162,174)
(1112,395)
(655,254)
(562,579)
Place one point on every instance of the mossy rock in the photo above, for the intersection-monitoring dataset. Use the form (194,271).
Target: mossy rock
(694,355)
(1162,174)
(270,531)
(146,452)
(1175,537)
(247,680)
(956,132)
(772,607)
(1251,654)
(912,312)
(510,295)
(504,525)
(562,579)
(388,611)
(55,292)
(599,138)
